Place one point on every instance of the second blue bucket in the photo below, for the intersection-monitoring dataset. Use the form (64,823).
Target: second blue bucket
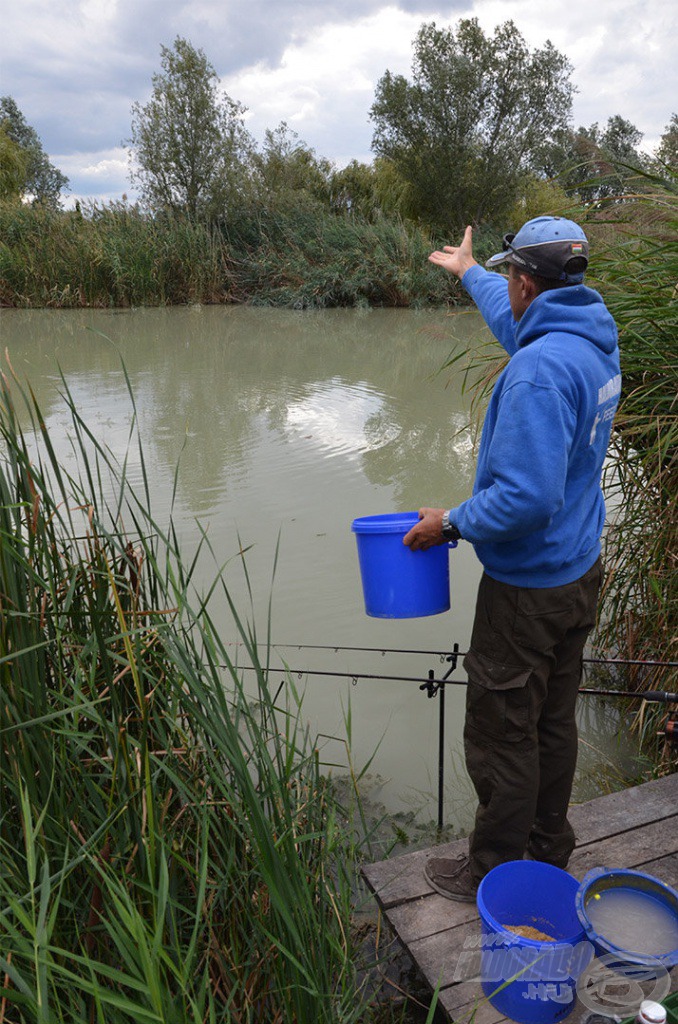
(399,583)
(531,980)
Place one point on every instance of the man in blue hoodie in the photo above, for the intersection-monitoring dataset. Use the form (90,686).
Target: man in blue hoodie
(535,520)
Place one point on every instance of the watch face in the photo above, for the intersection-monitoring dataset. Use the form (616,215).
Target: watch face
(449,530)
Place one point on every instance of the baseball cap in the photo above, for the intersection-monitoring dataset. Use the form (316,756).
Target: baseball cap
(550,247)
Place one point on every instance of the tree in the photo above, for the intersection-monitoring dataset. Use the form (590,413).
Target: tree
(353,190)
(594,163)
(369,190)
(13,167)
(41,180)
(667,151)
(188,143)
(288,171)
(468,126)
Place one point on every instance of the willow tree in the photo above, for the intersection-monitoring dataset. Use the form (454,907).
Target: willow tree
(189,148)
(13,167)
(599,163)
(25,168)
(472,120)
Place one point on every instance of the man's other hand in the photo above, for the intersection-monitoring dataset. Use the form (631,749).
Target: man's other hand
(428,531)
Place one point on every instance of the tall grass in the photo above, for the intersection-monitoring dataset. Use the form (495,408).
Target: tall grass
(637,274)
(169,848)
(107,256)
(295,256)
(307,257)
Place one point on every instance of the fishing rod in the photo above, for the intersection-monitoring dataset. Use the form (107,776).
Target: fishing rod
(651,696)
(445,654)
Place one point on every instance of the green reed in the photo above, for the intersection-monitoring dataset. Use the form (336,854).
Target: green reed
(307,257)
(637,274)
(106,256)
(170,850)
(299,256)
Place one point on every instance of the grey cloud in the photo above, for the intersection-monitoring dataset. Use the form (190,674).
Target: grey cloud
(77,95)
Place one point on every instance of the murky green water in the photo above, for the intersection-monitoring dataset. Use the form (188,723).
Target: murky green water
(287,426)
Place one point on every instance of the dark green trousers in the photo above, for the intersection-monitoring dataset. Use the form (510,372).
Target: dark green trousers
(520,736)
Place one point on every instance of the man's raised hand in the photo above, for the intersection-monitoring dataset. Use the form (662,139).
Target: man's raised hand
(456,259)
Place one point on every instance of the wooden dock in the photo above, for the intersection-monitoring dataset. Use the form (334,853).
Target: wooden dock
(635,828)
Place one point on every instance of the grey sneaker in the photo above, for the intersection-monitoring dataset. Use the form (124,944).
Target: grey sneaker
(451,877)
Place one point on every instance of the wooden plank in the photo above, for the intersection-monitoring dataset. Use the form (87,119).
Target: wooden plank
(625,810)
(663,868)
(448,957)
(627,849)
(402,878)
(461,1001)
(433,913)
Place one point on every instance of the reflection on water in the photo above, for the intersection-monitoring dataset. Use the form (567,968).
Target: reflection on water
(321,418)
(286,426)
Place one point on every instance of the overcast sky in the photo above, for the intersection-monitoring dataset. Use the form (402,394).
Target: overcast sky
(76,66)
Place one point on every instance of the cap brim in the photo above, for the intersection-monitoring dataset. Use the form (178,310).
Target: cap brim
(500,257)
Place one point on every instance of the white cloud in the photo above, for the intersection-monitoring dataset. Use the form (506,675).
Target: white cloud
(325,82)
(622,52)
(327,78)
(102,164)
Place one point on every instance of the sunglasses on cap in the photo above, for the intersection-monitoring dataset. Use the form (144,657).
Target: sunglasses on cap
(522,260)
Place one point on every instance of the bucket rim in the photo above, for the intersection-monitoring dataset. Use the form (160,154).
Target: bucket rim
(387,522)
(499,928)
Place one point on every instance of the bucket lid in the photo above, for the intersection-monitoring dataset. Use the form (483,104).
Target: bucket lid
(392,522)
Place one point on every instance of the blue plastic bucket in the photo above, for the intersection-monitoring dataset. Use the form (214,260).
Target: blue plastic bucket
(399,583)
(655,904)
(531,980)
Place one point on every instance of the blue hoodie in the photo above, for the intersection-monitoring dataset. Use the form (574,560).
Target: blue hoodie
(537,510)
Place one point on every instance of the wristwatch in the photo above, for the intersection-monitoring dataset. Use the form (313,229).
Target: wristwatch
(449,530)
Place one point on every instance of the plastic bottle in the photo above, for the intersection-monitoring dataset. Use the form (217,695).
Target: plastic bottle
(651,1013)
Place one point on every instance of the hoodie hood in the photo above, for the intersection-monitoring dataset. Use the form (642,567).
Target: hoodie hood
(573,310)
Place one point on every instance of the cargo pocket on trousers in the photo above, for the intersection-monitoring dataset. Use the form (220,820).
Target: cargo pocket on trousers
(497,698)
